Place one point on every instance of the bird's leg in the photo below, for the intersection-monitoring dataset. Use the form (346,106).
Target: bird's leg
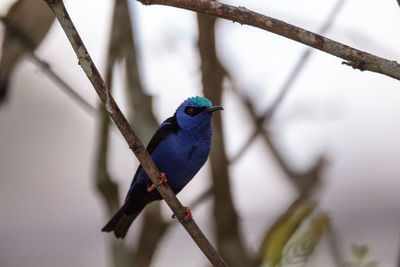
(163,179)
(188,215)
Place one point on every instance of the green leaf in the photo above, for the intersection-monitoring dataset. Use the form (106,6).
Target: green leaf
(282,230)
(359,252)
(303,247)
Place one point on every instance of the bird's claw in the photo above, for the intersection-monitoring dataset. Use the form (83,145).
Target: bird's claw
(163,179)
(188,215)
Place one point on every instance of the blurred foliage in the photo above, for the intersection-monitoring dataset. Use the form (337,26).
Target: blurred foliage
(359,255)
(282,244)
(300,250)
(282,230)
(27,24)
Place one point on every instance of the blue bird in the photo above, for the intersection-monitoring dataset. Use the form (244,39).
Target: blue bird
(179,148)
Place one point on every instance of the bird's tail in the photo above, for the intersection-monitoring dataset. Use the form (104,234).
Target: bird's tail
(121,221)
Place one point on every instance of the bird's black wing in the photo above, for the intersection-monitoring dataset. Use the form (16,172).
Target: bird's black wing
(169,126)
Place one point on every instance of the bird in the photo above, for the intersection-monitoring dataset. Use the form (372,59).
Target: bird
(179,148)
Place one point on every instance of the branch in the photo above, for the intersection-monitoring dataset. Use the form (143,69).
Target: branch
(104,183)
(28,43)
(356,58)
(228,236)
(271,110)
(122,49)
(300,65)
(64,85)
(57,6)
(24,15)
(305,181)
(108,189)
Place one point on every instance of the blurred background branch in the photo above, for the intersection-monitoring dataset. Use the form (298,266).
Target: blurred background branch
(134,143)
(354,57)
(303,181)
(142,118)
(24,33)
(229,239)
(269,112)
(20,41)
(294,226)
(105,184)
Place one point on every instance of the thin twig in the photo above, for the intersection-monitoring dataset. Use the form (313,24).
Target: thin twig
(62,84)
(303,181)
(25,40)
(271,110)
(134,143)
(301,63)
(357,58)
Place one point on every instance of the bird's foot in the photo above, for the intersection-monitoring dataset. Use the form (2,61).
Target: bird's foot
(163,179)
(188,215)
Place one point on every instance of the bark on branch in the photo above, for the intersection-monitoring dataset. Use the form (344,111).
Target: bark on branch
(57,6)
(354,57)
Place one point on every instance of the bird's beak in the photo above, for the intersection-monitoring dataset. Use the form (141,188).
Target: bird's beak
(212,109)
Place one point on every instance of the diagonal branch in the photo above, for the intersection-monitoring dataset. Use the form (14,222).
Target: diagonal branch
(25,40)
(271,110)
(354,57)
(304,181)
(108,189)
(123,49)
(63,84)
(57,6)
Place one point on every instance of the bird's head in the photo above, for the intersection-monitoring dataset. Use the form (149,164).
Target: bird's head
(195,112)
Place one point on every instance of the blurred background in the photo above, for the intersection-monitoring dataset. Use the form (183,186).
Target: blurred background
(304,169)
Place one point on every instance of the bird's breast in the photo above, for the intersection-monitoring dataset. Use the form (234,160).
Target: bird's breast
(181,156)
(191,151)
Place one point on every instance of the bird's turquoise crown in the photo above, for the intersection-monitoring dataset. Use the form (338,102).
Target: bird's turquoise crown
(201,101)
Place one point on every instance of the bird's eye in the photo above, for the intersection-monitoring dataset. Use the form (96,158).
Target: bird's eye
(189,111)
